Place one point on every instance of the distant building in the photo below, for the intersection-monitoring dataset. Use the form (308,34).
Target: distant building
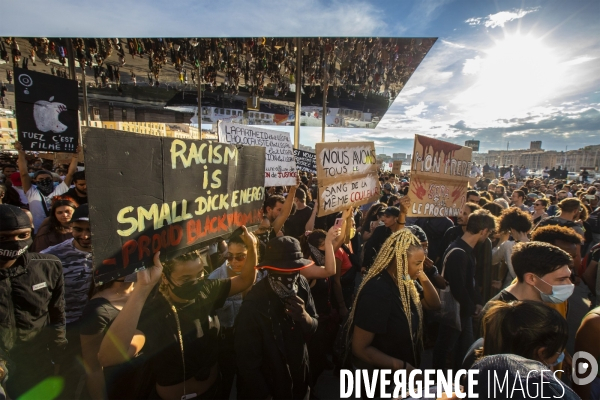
(536,145)
(474,144)
(306,148)
(572,160)
(8,129)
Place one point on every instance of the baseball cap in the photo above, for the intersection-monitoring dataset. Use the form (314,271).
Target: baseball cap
(81,213)
(15,178)
(387,186)
(13,218)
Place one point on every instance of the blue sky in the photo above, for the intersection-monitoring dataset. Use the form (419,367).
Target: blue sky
(501,71)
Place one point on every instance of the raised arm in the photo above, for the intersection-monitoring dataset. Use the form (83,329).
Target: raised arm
(248,275)
(22,164)
(120,335)
(310,224)
(287,207)
(318,272)
(72,167)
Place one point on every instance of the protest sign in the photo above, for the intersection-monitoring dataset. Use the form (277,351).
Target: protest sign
(280,165)
(47,112)
(397,165)
(489,175)
(149,194)
(347,174)
(306,161)
(439,177)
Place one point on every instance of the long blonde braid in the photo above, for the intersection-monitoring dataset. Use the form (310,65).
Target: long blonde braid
(397,246)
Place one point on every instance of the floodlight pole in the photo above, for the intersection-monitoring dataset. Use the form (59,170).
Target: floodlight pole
(298,92)
(199,101)
(324,87)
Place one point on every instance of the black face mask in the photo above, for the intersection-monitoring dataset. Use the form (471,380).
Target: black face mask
(284,285)
(14,249)
(46,186)
(187,291)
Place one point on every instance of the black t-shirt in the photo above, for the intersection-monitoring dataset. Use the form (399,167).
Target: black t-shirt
(97,316)
(73,194)
(122,381)
(504,296)
(379,310)
(294,226)
(199,327)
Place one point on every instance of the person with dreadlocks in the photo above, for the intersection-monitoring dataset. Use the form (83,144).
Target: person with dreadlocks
(385,324)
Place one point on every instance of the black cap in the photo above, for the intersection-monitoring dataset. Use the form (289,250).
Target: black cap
(392,211)
(13,218)
(284,254)
(81,213)
(418,232)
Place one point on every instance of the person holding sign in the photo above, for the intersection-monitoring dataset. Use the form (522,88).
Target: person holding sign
(276,210)
(41,190)
(179,324)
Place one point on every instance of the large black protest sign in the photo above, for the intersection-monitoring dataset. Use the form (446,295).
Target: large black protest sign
(150,194)
(47,112)
(306,161)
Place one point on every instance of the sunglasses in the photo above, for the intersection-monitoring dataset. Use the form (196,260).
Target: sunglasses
(239,257)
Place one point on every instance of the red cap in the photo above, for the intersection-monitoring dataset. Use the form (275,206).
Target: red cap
(15,178)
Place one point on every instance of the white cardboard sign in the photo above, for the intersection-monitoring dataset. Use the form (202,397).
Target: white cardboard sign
(280,163)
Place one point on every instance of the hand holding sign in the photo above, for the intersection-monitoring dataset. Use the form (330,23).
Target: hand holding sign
(149,277)
(404,204)
(248,238)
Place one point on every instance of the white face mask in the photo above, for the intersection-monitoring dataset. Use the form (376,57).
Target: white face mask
(560,293)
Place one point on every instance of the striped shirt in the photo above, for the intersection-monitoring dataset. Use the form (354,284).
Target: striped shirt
(77,272)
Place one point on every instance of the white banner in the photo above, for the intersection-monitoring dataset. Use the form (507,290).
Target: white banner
(280,164)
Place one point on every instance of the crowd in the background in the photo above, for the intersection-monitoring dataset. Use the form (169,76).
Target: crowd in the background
(264,312)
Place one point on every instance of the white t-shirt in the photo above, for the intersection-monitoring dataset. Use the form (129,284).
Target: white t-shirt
(34,198)
(21,194)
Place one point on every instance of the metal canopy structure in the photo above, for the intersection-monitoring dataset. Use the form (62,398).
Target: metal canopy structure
(345,82)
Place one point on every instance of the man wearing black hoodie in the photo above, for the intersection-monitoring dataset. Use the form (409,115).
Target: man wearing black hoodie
(32,306)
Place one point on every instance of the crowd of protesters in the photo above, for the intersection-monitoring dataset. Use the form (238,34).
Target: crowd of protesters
(265,312)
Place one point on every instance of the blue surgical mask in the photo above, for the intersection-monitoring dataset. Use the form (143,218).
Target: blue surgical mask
(560,359)
(560,293)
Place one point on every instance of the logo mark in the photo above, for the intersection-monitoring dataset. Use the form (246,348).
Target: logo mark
(584,364)
(26,81)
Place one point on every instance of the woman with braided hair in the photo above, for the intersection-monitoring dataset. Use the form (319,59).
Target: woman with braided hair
(386,320)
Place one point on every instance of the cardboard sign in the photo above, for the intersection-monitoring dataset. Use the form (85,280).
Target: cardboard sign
(280,164)
(149,194)
(439,178)
(489,175)
(47,112)
(397,165)
(306,161)
(347,173)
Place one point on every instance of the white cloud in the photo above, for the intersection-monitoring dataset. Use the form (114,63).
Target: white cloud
(416,110)
(472,66)
(500,18)
(451,44)
(474,21)
(580,60)
(416,90)
(233,18)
